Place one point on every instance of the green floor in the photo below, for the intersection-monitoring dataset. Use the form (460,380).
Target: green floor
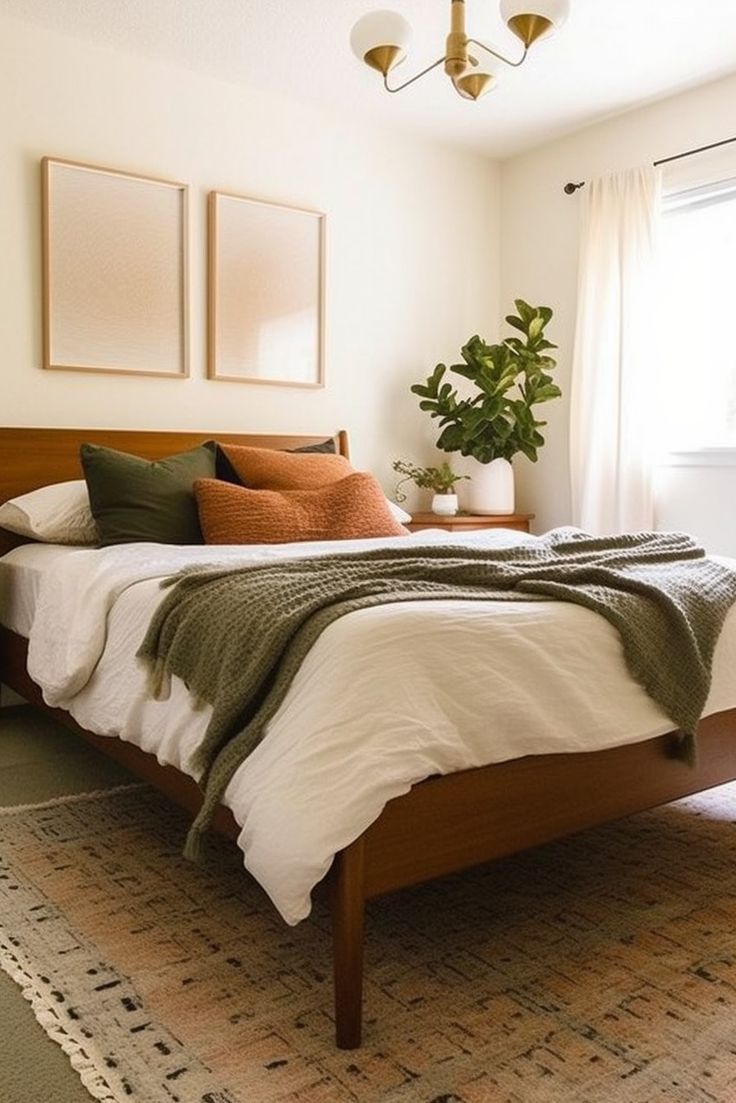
(39,760)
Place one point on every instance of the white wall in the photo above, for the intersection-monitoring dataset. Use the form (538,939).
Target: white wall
(413,253)
(539,263)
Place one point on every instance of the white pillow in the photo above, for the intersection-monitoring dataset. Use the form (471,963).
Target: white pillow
(58,514)
(399,514)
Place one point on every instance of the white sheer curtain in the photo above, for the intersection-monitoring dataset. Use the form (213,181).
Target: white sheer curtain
(611,412)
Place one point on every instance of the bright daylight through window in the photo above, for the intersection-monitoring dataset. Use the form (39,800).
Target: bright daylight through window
(696,393)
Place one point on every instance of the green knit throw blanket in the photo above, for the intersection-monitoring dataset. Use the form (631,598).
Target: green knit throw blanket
(237,637)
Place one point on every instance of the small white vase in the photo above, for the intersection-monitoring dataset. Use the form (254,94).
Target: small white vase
(444,505)
(491,487)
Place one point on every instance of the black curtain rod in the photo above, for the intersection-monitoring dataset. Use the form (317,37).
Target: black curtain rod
(571,188)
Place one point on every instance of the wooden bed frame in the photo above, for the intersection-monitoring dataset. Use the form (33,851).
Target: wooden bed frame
(442,825)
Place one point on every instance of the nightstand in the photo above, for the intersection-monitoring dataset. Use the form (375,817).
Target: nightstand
(470,522)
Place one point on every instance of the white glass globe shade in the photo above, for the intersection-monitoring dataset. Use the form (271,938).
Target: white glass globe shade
(556,11)
(379,28)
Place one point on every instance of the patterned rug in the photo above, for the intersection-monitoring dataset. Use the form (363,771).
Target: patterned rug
(596,970)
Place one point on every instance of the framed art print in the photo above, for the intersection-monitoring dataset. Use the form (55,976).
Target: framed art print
(266,292)
(115,271)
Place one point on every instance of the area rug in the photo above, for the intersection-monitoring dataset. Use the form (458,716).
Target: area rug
(600,969)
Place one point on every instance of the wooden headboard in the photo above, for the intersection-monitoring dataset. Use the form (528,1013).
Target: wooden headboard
(30,458)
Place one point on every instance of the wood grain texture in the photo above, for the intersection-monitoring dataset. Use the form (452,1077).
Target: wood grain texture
(459,820)
(348,919)
(470,522)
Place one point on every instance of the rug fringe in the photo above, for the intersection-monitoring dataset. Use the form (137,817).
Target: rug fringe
(13,962)
(72,798)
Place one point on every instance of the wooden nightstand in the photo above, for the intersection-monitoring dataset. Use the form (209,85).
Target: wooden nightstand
(470,522)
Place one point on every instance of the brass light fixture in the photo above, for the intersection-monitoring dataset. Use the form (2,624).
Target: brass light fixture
(381,38)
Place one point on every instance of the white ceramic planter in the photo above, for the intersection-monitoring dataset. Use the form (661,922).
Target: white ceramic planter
(444,505)
(491,487)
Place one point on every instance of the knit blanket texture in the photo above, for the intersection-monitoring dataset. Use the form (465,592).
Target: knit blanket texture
(237,637)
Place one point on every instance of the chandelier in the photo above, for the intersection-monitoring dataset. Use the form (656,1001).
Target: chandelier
(381,38)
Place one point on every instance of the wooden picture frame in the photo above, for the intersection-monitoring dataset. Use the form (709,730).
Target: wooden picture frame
(115,271)
(266,292)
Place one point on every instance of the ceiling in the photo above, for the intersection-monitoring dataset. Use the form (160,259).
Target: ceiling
(610,56)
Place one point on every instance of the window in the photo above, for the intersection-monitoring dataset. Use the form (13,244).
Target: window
(696,375)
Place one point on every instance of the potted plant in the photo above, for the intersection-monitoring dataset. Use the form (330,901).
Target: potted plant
(498,421)
(440,479)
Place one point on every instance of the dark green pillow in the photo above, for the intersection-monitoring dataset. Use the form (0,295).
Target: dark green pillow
(145,500)
(323,446)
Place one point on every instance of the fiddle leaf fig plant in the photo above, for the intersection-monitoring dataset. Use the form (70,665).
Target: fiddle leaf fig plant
(511,378)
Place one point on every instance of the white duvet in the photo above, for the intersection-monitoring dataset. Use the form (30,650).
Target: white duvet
(387,696)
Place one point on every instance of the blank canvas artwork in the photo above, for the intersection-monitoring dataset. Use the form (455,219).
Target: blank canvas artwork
(266,292)
(115,272)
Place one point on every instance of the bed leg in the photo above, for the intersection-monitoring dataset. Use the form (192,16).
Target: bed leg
(348,905)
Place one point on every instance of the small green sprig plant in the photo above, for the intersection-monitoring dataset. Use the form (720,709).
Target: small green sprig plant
(440,479)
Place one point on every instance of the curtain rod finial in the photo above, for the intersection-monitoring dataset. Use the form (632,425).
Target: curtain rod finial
(571,188)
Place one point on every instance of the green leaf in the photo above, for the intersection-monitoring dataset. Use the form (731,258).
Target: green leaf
(547,393)
(535,328)
(509,378)
(525,312)
(466,370)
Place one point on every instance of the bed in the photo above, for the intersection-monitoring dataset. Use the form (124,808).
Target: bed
(441,825)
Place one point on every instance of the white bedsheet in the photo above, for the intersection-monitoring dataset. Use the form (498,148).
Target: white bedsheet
(387,696)
(21,572)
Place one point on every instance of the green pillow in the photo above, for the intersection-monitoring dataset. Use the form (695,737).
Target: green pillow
(145,500)
(323,446)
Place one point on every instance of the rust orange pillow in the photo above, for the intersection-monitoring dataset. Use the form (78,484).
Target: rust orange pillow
(351,509)
(267,469)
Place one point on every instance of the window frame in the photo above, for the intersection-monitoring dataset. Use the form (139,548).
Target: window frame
(675,202)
